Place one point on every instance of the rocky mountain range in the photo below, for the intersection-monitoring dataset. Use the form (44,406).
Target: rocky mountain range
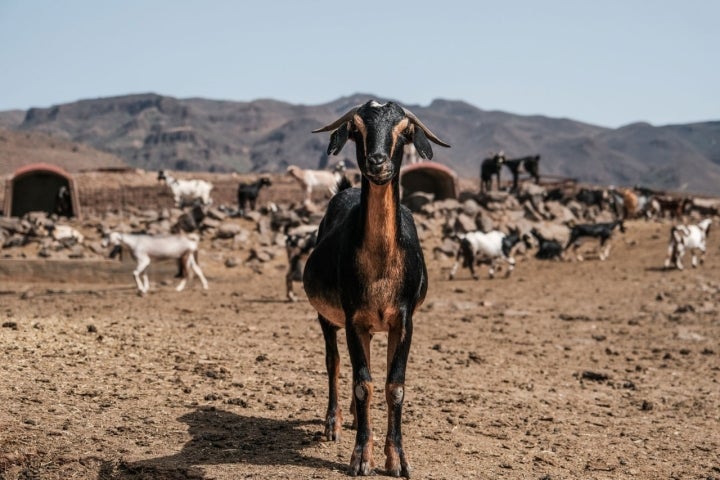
(153,131)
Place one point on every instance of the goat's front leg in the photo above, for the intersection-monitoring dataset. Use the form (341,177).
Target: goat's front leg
(399,339)
(333,418)
(289,286)
(358,340)
(511,265)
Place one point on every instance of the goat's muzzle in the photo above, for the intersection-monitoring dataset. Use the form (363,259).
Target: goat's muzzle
(379,168)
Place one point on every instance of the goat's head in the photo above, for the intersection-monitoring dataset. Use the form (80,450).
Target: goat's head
(380,131)
(113,238)
(265,182)
(161,176)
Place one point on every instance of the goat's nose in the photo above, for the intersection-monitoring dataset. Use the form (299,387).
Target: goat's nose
(376,159)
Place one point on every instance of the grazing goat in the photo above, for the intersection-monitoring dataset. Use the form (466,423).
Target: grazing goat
(548,249)
(367,272)
(687,237)
(529,165)
(298,247)
(591,198)
(311,180)
(146,247)
(479,247)
(602,231)
(65,232)
(248,192)
(674,207)
(186,192)
(489,167)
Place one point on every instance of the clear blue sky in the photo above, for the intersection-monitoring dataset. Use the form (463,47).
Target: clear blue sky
(609,62)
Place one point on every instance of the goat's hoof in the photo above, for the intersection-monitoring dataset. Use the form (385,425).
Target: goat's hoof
(362,463)
(396,464)
(333,427)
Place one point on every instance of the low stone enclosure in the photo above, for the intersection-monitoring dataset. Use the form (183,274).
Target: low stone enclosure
(134,201)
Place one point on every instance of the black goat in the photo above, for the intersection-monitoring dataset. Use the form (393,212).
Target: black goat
(591,198)
(548,249)
(248,192)
(602,231)
(489,167)
(529,165)
(63,202)
(367,272)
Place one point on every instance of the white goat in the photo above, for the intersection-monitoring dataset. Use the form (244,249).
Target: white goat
(476,247)
(323,180)
(63,232)
(187,191)
(145,247)
(687,237)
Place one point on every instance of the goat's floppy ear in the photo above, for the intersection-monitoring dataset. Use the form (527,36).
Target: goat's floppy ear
(430,135)
(338,138)
(117,250)
(422,145)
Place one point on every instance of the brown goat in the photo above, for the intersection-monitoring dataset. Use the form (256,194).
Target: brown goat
(367,272)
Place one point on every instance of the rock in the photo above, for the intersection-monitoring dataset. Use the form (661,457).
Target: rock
(417,200)
(464,223)
(263,255)
(228,230)
(216,214)
(210,223)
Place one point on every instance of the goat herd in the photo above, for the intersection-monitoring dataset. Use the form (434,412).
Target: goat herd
(363,267)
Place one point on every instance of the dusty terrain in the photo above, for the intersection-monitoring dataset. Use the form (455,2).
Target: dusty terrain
(565,370)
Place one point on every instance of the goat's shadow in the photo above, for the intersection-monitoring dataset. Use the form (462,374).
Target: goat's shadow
(661,269)
(221,437)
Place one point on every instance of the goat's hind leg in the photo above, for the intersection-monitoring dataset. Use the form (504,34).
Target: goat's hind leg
(140,274)
(399,339)
(196,268)
(333,417)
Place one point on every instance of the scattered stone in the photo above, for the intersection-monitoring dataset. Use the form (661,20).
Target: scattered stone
(594,376)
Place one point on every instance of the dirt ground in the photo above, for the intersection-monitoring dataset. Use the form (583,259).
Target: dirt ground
(565,370)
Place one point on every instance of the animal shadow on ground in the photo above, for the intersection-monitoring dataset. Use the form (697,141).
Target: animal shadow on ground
(221,437)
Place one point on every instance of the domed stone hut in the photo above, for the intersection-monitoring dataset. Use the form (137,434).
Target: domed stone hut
(41,187)
(429,177)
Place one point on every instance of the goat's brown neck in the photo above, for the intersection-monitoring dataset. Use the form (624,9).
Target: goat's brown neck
(381,218)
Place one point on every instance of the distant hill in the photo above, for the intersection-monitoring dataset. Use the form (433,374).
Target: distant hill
(22,148)
(151,131)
